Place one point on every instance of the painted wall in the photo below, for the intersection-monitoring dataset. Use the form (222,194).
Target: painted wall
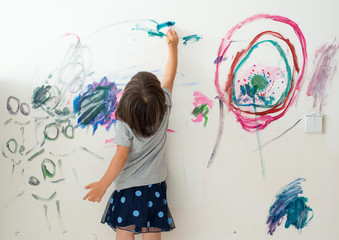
(240,164)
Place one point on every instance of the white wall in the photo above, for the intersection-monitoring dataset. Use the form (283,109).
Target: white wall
(229,200)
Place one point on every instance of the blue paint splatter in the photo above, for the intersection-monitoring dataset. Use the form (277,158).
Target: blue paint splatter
(97,105)
(288,203)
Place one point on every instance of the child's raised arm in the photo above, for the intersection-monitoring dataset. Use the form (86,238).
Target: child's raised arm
(172,61)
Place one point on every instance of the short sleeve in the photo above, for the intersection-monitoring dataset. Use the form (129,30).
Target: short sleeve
(168,96)
(123,136)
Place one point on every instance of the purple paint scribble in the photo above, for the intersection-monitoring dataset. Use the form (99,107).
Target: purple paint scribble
(97,105)
(288,203)
(325,68)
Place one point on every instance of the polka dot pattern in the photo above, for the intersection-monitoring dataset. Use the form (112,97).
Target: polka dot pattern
(144,207)
(160,214)
(138,193)
(136,213)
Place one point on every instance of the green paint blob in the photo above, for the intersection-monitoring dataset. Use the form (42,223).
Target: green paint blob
(259,82)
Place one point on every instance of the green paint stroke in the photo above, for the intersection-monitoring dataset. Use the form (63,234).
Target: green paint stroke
(202,110)
(64,112)
(66,132)
(44,199)
(92,153)
(9,147)
(45,171)
(36,154)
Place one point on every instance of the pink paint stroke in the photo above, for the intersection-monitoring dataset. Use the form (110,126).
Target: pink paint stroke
(109,140)
(113,118)
(325,68)
(260,122)
(201,99)
(199,118)
(171,131)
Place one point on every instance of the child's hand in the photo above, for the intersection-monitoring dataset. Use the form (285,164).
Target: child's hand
(96,193)
(172,38)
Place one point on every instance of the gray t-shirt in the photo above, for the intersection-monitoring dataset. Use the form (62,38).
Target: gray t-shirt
(146,159)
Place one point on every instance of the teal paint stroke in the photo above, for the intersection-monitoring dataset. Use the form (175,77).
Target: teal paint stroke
(251,92)
(191,39)
(153,31)
(290,205)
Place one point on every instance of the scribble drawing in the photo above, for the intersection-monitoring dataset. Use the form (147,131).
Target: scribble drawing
(261,80)
(325,66)
(97,105)
(290,205)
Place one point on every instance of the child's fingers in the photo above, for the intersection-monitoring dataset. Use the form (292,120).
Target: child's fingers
(168,38)
(89,186)
(88,194)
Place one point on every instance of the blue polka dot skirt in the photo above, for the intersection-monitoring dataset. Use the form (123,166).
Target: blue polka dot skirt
(139,209)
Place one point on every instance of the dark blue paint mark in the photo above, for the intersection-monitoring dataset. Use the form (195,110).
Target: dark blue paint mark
(97,105)
(288,203)
(219,59)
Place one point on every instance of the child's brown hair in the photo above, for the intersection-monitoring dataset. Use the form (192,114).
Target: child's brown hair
(142,105)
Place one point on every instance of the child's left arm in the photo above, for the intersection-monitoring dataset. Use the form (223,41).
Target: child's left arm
(98,189)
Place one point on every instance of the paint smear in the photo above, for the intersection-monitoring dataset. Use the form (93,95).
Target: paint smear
(155,32)
(325,68)
(282,134)
(219,135)
(44,199)
(92,153)
(290,205)
(202,106)
(97,105)
(36,154)
(191,39)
